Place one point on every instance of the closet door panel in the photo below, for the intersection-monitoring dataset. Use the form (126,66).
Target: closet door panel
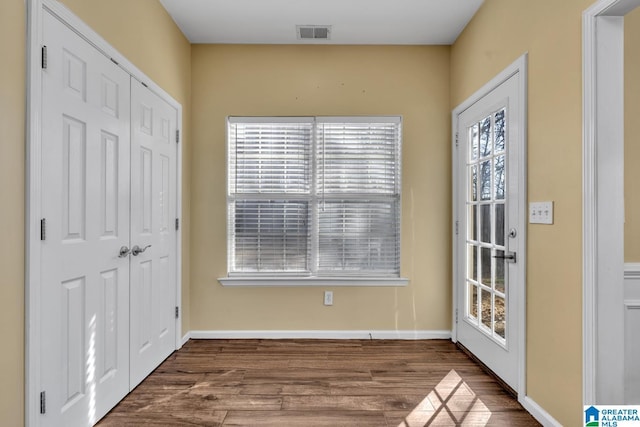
(84,360)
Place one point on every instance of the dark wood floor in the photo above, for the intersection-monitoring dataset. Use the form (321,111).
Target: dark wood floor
(318,383)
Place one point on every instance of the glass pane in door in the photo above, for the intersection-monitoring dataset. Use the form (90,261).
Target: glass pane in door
(499,316)
(486,200)
(473,300)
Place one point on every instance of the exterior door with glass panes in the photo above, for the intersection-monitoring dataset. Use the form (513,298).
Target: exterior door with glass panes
(489,229)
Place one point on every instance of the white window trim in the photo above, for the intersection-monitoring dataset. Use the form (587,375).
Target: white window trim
(272,281)
(292,280)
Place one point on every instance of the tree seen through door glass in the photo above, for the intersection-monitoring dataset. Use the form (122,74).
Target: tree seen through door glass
(499,130)
(474,183)
(485,137)
(498,178)
(485,223)
(473,220)
(499,224)
(485,180)
(485,266)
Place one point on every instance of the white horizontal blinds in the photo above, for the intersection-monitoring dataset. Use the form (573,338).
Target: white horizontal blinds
(270,157)
(358,189)
(358,238)
(271,236)
(358,158)
(269,187)
(314,196)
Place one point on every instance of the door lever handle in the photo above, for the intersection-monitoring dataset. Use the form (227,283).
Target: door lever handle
(510,256)
(124,251)
(137,250)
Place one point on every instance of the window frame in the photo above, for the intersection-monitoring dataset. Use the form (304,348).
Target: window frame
(311,278)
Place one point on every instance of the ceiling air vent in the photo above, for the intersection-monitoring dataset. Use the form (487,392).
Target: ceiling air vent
(313,32)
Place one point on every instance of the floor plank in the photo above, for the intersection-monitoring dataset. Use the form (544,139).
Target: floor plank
(307,418)
(318,383)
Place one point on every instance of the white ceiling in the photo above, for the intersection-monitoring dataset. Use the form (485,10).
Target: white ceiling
(352,21)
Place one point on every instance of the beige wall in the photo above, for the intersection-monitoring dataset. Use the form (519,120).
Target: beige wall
(143,32)
(12,105)
(551,32)
(632,137)
(326,80)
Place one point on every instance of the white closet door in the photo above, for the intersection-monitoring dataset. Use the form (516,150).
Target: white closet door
(85,203)
(153,207)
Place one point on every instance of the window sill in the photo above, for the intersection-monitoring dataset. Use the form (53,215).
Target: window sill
(313,281)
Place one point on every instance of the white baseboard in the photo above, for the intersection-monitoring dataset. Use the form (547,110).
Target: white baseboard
(538,413)
(186,337)
(632,270)
(376,335)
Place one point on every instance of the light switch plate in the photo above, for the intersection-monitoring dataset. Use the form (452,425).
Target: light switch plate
(541,213)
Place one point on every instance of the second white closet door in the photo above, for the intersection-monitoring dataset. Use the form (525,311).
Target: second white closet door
(153,216)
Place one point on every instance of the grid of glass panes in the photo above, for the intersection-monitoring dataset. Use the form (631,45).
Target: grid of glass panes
(486,197)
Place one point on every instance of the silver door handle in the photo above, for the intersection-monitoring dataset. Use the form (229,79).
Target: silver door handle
(510,256)
(136,250)
(124,251)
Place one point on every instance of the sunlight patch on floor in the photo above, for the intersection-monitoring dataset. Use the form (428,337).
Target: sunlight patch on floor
(91,371)
(451,403)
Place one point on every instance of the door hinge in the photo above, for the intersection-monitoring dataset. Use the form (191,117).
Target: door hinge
(177,224)
(177,136)
(457,226)
(43,402)
(44,57)
(114,61)
(457,139)
(456,316)
(177,312)
(43,229)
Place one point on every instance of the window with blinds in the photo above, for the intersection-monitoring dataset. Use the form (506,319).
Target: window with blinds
(314,196)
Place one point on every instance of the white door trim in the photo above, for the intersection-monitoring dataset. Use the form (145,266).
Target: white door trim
(603,199)
(518,66)
(33,180)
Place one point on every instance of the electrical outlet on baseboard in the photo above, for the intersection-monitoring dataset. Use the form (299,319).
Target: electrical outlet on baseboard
(328,297)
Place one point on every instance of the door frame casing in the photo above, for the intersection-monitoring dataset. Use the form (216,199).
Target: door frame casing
(33,206)
(603,200)
(519,66)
